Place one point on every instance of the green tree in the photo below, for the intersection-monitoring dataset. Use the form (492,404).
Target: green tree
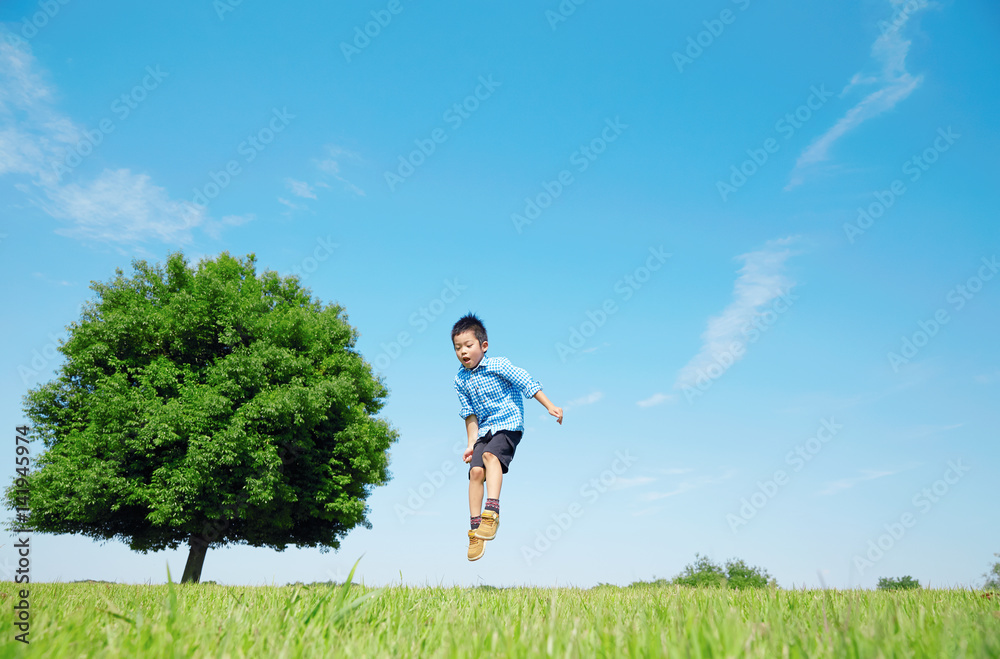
(736,574)
(900,583)
(993,576)
(207,406)
(739,575)
(702,573)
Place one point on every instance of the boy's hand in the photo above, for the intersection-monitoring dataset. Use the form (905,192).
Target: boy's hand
(553,410)
(467,456)
(557,413)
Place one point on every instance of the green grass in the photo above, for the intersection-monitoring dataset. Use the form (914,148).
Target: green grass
(206,620)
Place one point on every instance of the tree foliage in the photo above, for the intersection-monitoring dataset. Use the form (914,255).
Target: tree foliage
(208,405)
(739,575)
(704,573)
(897,583)
(993,576)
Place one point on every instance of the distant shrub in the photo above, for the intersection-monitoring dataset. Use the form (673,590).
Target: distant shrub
(739,575)
(649,584)
(902,583)
(993,576)
(703,573)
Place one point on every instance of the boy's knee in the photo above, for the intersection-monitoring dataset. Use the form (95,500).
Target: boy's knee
(477,474)
(489,457)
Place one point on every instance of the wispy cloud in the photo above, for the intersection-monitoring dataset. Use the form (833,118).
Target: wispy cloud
(893,84)
(688,485)
(122,207)
(848,483)
(626,483)
(675,471)
(214,228)
(118,206)
(32,134)
(330,165)
(919,432)
(300,188)
(988,378)
(645,511)
(423,513)
(655,399)
(292,206)
(47,280)
(758,283)
(589,399)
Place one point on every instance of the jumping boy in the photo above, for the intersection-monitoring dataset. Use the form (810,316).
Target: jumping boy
(488,392)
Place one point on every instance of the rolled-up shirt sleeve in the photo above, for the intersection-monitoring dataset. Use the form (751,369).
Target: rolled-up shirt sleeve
(464,402)
(518,377)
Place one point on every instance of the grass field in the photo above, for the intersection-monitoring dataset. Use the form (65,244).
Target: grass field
(207,620)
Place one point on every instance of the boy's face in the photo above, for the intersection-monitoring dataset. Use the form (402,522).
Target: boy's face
(468,349)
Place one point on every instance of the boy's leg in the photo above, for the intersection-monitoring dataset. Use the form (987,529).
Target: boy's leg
(494,480)
(494,476)
(477,546)
(476,477)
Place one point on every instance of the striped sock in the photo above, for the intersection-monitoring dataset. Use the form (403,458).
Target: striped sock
(494,505)
(476,521)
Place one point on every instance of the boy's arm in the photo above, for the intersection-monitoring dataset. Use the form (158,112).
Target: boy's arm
(472,428)
(553,410)
(471,421)
(464,404)
(527,384)
(518,377)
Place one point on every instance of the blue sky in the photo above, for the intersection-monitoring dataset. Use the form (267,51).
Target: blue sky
(749,247)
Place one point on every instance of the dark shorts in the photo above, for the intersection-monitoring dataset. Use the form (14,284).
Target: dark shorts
(501,444)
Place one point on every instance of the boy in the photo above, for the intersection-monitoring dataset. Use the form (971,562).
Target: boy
(488,392)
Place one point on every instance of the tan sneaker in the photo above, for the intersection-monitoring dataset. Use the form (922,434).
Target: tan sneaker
(477,546)
(488,527)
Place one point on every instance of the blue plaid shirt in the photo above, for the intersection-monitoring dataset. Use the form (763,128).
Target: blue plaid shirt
(490,392)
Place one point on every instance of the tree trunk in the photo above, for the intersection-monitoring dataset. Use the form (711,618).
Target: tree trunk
(196,558)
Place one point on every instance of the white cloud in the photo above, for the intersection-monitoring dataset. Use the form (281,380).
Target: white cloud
(120,206)
(214,228)
(919,432)
(760,281)
(895,84)
(300,188)
(589,399)
(331,166)
(32,134)
(62,282)
(645,511)
(626,483)
(292,206)
(117,206)
(237,220)
(688,485)
(674,471)
(988,378)
(848,483)
(655,399)
(328,166)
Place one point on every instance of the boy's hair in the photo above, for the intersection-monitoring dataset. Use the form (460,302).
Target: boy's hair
(469,322)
